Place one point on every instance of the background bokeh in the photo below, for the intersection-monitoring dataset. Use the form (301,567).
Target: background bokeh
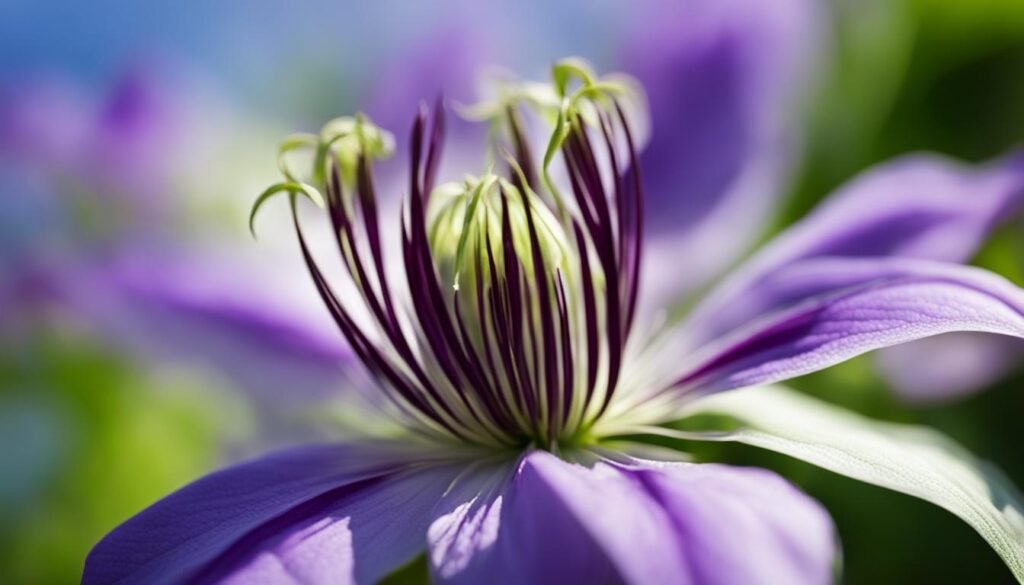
(134,135)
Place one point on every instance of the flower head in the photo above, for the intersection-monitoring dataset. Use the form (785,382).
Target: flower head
(508,345)
(519,301)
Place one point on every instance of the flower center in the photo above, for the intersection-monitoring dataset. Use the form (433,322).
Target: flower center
(510,321)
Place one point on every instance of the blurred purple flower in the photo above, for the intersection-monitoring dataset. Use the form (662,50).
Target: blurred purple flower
(519,386)
(200,308)
(121,148)
(105,243)
(441,63)
(959,364)
(724,80)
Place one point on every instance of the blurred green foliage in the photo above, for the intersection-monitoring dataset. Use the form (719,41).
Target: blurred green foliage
(910,75)
(90,439)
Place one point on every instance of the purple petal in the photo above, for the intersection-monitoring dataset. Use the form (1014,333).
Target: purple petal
(744,525)
(346,536)
(468,519)
(353,513)
(216,522)
(722,79)
(879,303)
(917,207)
(560,522)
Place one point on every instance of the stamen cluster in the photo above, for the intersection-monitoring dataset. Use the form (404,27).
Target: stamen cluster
(512,320)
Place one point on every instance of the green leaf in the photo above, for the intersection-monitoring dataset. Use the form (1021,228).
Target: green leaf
(913,460)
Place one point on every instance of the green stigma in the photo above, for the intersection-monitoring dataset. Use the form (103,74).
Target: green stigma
(466,220)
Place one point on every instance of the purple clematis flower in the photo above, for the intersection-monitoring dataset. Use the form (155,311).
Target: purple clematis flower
(506,343)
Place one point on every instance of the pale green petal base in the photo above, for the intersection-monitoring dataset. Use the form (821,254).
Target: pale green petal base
(913,460)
